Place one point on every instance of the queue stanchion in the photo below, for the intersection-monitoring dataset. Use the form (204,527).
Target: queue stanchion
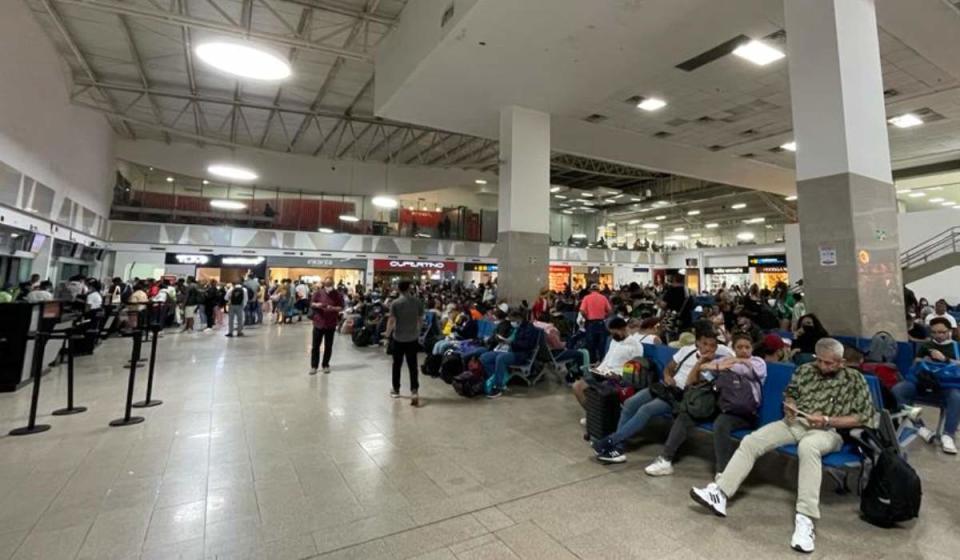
(149,400)
(32,427)
(70,409)
(127,419)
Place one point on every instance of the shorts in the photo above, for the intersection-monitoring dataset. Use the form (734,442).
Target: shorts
(189,311)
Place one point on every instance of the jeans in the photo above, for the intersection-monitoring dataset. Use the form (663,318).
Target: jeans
(236,316)
(326,335)
(723,444)
(636,412)
(258,312)
(210,311)
(906,391)
(596,340)
(570,355)
(496,365)
(812,445)
(409,351)
(443,345)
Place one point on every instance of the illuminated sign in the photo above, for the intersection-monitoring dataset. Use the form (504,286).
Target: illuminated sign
(395,265)
(241,261)
(726,270)
(474,267)
(559,269)
(767,260)
(192,259)
(772,269)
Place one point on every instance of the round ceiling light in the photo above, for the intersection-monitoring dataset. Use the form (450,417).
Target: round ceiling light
(244,60)
(745,236)
(385,202)
(232,172)
(349,218)
(227,205)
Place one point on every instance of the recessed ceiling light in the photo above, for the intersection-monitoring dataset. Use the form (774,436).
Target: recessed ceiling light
(552,189)
(759,220)
(579,236)
(661,217)
(169,179)
(636,199)
(712,226)
(586,195)
(349,218)
(651,104)
(484,182)
(243,60)
(568,211)
(325,230)
(231,172)
(745,236)
(586,203)
(560,197)
(661,203)
(907,120)
(205,182)
(646,209)
(791,198)
(677,238)
(693,213)
(917,195)
(938,199)
(739,206)
(694,235)
(611,201)
(948,203)
(650,226)
(758,53)
(227,205)
(633,222)
(789,146)
(678,229)
(903,191)
(385,202)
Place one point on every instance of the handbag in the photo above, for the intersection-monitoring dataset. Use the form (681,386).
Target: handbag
(699,402)
(931,377)
(671,395)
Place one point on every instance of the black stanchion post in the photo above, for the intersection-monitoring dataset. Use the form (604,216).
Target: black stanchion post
(149,401)
(127,418)
(36,368)
(70,408)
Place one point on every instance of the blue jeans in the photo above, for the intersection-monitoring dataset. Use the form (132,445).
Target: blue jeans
(596,340)
(496,366)
(443,345)
(906,391)
(636,412)
(581,356)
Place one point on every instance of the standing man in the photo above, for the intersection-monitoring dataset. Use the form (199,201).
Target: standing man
(327,303)
(403,327)
(237,298)
(595,308)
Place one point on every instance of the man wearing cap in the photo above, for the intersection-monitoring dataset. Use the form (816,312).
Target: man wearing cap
(595,308)
(771,349)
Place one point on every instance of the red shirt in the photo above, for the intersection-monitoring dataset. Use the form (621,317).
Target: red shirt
(323,318)
(595,307)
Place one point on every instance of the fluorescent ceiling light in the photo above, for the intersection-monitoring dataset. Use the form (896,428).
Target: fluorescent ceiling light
(791,198)
(917,194)
(636,199)
(661,203)
(568,211)
(621,195)
(712,226)
(938,199)
(227,204)
(586,203)
(789,146)
(949,203)
(678,229)
(739,206)
(678,238)
(481,181)
(745,236)
(903,191)
(693,213)
(758,53)
(325,230)
(349,218)
(907,120)
(244,60)
(611,201)
(560,197)
(169,179)
(650,226)
(385,202)
(552,189)
(579,236)
(633,222)
(232,172)
(759,220)
(651,104)
(586,195)
(611,224)
(694,235)
(660,218)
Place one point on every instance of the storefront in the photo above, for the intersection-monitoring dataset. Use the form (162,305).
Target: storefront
(480,273)
(222,268)
(391,271)
(349,272)
(726,277)
(768,270)
(625,275)
(559,278)
(583,276)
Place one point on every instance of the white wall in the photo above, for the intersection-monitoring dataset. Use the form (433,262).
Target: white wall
(917,227)
(141,264)
(42,135)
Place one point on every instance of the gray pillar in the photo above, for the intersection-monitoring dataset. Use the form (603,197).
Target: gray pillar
(847,203)
(523,238)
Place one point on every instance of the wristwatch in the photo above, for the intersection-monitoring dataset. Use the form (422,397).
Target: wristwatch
(826,421)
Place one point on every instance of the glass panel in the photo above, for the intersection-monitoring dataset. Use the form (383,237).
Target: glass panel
(66,210)
(42,200)
(9,184)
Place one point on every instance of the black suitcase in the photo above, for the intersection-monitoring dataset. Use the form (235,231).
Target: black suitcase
(603,410)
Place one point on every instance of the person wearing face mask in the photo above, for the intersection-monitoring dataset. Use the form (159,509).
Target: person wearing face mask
(746,326)
(511,350)
(810,331)
(623,348)
(327,303)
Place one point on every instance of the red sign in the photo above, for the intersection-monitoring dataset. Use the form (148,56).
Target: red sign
(392,265)
(555,269)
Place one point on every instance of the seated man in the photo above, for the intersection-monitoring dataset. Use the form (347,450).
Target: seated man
(511,350)
(823,396)
(622,349)
(772,349)
(940,348)
(640,408)
(751,370)
(465,327)
(940,312)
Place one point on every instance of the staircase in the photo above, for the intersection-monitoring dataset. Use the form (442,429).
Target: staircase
(934,255)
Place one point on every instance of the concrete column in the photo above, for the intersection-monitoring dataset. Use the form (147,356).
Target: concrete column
(847,202)
(523,238)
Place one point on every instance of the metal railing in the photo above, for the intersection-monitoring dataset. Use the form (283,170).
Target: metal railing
(937,246)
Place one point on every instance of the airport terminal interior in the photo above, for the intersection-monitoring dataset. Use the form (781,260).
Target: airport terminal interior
(479,279)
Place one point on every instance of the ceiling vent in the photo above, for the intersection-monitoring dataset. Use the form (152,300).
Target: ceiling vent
(711,55)
(706,119)
(751,155)
(927,114)
(635,100)
(596,118)
(662,134)
(716,148)
(888,93)
(748,132)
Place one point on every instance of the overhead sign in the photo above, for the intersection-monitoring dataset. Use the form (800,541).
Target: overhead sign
(477,267)
(398,266)
(315,262)
(726,270)
(555,269)
(767,260)
(241,261)
(772,269)
(193,259)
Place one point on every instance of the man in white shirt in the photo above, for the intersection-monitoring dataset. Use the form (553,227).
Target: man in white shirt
(940,310)
(622,349)
(41,293)
(640,408)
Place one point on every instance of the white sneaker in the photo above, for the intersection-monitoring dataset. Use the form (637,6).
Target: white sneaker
(803,534)
(313,371)
(948,445)
(660,467)
(925,433)
(583,421)
(326,369)
(711,498)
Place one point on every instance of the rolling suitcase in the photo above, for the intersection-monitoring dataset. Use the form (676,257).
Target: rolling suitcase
(603,410)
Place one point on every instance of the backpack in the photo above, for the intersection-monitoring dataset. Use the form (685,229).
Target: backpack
(469,383)
(362,337)
(698,402)
(451,365)
(893,490)
(431,365)
(236,295)
(639,374)
(883,348)
(735,394)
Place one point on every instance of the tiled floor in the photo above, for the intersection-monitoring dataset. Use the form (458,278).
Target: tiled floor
(249,457)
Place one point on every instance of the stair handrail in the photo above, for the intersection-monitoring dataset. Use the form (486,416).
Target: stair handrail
(922,252)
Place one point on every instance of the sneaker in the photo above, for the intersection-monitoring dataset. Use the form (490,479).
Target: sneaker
(415,400)
(229,335)
(326,369)
(803,534)
(948,445)
(583,421)
(496,394)
(602,445)
(711,498)
(394,394)
(612,455)
(912,413)
(660,467)
(239,334)
(208,329)
(313,371)
(925,433)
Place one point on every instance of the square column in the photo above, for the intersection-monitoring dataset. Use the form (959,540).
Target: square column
(847,202)
(523,238)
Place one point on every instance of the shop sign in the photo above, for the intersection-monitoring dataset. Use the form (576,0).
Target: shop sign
(726,270)
(772,269)
(395,265)
(559,269)
(315,262)
(475,267)
(194,259)
(691,263)
(641,270)
(242,261)
(767,260)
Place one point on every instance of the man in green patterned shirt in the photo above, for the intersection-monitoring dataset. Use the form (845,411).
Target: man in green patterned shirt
(823,396)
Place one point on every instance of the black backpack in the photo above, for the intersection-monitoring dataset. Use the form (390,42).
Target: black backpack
(362,337)
(451,365)
(236,295)
(893,490)
(431,365)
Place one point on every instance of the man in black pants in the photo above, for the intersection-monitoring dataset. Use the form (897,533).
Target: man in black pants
(403,328)
(327,303)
